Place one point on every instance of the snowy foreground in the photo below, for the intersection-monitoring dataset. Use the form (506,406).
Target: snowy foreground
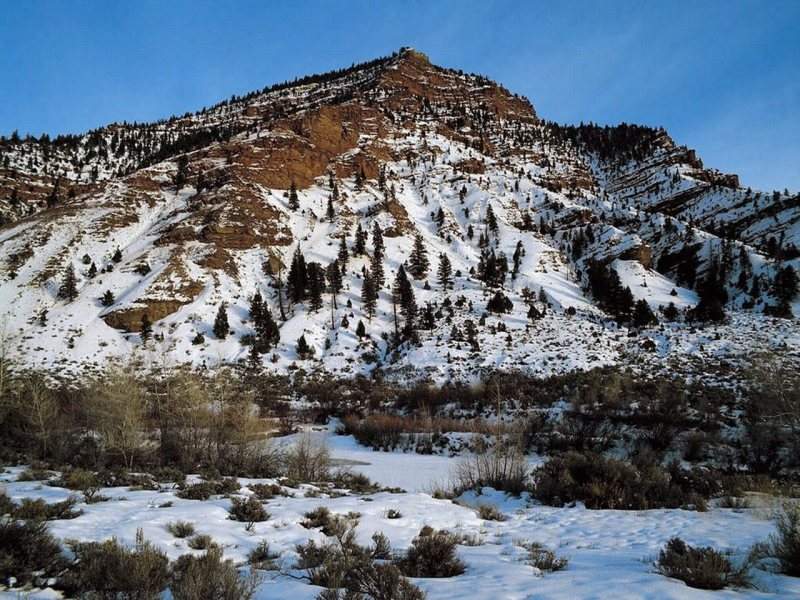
(610,552)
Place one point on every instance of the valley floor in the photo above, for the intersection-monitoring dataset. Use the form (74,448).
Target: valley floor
(610,553)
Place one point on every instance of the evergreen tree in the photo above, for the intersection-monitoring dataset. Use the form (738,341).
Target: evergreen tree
(445,272)
(671,312)
(221,327)
(361,331)
(117,256)
(517,258)
(316,285)
(330,212)
(643,315)
(69,284)
(294,200)
(256,308)
(298,277)
(369,295)
(334,275)
(361,241)
(785,285)
(377,239)
(403,296)
(418,261)
(304,351)
(534,314)
(491,219)
(499,303)
(108,298)
(343,255)
(146,328)
(376,265)
(182,172)
(92,272)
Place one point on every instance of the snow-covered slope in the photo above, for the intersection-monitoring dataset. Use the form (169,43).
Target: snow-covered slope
(199,209)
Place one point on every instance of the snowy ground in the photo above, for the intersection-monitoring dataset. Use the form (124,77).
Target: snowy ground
(608,550)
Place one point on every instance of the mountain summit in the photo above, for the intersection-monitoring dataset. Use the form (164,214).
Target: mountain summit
(394,216)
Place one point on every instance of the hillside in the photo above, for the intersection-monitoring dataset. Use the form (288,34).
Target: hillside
(165,223)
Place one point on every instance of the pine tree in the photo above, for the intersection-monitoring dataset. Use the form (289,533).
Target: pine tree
(361,242)
(92,272)
(182,172)
(117,256)
(369,295)
(294,201)
(403,296)
(643,314)
(256,308)
(334,275)
(534,314)
(221,327)
(69,285)
(316,285)
(785,285)
(361,331)
(343,255)
(376,265)
(499,303)
(445,272)
(517,258)
(418,261)
(377,239)
(298,277)
(491,219)
(330,213)
(304,351)
(146,328)
(671,312)
(108,298)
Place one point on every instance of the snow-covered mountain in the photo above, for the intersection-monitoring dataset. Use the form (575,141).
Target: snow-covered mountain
(164,222)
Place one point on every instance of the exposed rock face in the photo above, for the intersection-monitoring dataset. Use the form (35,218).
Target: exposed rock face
(181,215)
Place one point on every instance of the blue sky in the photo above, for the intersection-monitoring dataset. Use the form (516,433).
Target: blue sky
(722,77)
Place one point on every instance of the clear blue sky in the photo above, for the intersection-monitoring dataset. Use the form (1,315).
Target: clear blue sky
(723,77)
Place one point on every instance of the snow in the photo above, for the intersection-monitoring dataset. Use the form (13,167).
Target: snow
(607,550)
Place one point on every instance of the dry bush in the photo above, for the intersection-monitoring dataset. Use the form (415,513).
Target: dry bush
(248,510)
(110,570)
(432,554)
(386,431)
(308,461)
(489,512)
(262,558)
(38,509)
(27,548)
(201,541)
(502,467)
(606,483)
(266,491)
(209,577)
(783,546)
(543,558)
(702,567)
(181,529)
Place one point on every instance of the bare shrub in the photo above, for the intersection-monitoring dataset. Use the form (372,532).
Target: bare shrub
(181,529)
(702,567)
(248,510)
(38,509)
(265,491)
(432,554)
(490,512)
(26,548)
(502,467)
(607,483)
(261,557)
(543,558)
(783,546)
(209,577)
(201,542)
(111,570)
(308,460)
